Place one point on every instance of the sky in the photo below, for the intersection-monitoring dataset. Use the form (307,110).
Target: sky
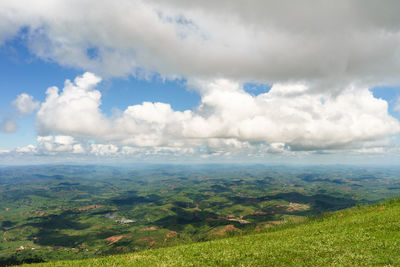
(199,81)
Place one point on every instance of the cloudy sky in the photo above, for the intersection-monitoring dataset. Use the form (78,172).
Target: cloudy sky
(305,81)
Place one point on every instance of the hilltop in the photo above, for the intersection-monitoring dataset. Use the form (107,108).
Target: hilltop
(362,235)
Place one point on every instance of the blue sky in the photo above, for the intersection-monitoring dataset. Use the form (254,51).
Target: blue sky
(16,61)
(271,85)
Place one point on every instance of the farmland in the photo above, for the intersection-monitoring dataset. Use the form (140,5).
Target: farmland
(76,212)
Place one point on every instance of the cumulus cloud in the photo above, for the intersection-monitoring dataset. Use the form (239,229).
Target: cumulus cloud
(25,104)
(53,145)
(26,149)
(326,43)
(58,144)
(74,111)
(303,122)
(103,149)
(227,117)
(319,56)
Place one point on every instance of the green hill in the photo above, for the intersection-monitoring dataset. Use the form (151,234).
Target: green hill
(367,235)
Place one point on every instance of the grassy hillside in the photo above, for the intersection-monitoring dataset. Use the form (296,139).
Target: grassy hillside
(368,235)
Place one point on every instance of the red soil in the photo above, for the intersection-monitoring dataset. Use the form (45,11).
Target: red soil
(114,239)
(90,207)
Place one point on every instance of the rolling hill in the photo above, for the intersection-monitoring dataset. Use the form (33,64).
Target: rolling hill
(362,235)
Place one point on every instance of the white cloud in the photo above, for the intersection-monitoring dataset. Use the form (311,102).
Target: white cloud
(25,104)
(75,111)
(228,117)
(373,150)
(52,145)
(26,149)
(58,144)
(329,43)
(103,149)
(319,57)
(277,148)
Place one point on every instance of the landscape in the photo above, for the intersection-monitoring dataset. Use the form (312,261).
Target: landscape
(61,212)
(199,133)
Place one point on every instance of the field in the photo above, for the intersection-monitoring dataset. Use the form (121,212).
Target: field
(360,236)
(50,213)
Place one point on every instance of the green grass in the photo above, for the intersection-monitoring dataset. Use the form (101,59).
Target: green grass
(367,235)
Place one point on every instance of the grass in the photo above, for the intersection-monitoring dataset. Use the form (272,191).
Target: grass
(360,236)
